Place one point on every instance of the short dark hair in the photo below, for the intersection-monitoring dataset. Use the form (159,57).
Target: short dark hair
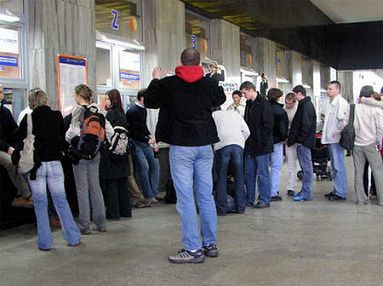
(273,94)
(141,94)
(366,91)
(299,88)
(290,97)
(247,85)
(237,92)
(190,57)
(337,84)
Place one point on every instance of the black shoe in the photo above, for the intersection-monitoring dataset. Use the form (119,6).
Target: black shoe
(335,197)
(290,193)
(328,195)
(249,204)
(185,256)
(261,205)
(210,250)
(276,198)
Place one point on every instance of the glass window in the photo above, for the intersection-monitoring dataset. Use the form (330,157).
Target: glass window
(129,70)
(197,34)
(247,51)
(10,52)
(103,69)
(14,6)
(120,18)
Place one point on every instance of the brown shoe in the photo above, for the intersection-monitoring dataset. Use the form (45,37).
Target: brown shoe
(22,203)
(55,222)
(142,204)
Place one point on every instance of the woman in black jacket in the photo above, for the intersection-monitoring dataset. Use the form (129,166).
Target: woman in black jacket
(114,163)
(48,129)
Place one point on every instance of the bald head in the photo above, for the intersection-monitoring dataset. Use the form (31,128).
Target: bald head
(190,57)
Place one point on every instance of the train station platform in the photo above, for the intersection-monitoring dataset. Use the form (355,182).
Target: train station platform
(310,243)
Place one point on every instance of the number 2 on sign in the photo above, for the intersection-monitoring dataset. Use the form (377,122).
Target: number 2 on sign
(115,25)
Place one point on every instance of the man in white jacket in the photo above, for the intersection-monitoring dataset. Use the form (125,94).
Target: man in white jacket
(336,118)
(232,132)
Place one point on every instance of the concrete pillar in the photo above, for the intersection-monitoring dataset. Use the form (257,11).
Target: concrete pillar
(295,68)
(225,48)
(346,79)
(164,40)
(164,35)
(59,27)
(265,59)
(316,87)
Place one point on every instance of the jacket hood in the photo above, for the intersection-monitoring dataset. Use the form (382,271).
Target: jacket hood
(189,73)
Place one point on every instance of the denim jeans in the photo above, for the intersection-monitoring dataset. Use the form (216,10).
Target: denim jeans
(338,169)
(276,161)
(148,168)
(192,167)
(257,168)
(233,154)
(304,158)
(51,173)
(89,194)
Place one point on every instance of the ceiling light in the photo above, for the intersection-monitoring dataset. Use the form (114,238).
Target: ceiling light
(7,16)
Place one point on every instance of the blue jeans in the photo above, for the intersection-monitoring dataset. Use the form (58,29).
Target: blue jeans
(338,169)
(51,173)
(192,167)
(257,167)
(233,153)
(148,169)
(276,161)
(304,158)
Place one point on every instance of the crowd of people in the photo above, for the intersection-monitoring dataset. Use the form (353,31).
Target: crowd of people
(207,146)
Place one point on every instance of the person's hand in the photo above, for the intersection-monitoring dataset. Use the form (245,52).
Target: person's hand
(156,74)
(152,141)
(362,99)
(10,151)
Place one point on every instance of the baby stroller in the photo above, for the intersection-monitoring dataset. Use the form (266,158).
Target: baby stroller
(320,157)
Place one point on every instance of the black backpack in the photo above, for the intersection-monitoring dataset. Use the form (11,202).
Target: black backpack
(170,196)
(119,143)
(92,134)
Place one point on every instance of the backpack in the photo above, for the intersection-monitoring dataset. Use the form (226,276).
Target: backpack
(92,133)
(347,136)
(119,143)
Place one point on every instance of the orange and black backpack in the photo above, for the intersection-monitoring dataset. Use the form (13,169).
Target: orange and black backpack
(92,134)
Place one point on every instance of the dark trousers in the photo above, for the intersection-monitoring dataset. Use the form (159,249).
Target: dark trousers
(117,198)
(365,181)
(233,154)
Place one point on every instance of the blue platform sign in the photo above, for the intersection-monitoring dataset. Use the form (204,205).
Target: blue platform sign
(115,25)
(129,76)
(194,41)
(8,61)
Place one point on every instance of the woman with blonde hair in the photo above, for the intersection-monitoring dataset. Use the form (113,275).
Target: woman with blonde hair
(86,168)
(48,129)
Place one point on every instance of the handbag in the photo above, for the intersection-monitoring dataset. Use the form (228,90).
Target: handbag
(26,162)
(347,136)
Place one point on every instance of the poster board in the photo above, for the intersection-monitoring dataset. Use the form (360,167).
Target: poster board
(71,71)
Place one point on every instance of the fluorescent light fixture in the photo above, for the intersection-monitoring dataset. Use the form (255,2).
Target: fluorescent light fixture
(127,44)
(249,72)
(282,80)
(7,16)
(306,86)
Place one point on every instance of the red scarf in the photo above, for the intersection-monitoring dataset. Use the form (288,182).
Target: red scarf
(189,73)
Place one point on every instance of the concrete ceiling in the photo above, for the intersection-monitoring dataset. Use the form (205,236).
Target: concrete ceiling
(351,11)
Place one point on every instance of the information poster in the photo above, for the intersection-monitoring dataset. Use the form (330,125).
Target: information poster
(71,71)
(9,54)
(129,70)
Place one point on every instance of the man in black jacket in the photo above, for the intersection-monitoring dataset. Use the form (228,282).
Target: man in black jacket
(185,122)
(281,124)
(259,117)
(148,167)
(7,127)
(302,132)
